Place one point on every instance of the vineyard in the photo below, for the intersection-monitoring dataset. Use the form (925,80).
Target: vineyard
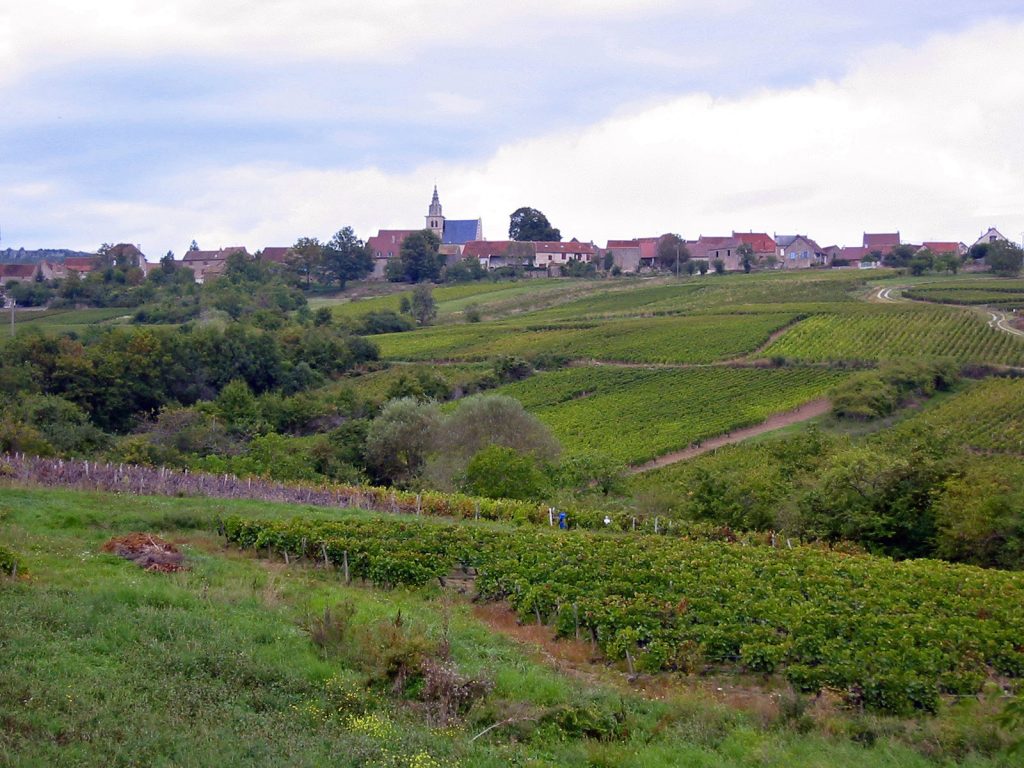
(699,339)
(888,636)
(1000,293)
(634,415)
(890,333)
(988,417)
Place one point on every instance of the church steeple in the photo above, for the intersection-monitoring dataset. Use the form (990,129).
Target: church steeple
(435,219)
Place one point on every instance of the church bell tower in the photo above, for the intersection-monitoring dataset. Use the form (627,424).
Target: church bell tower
(435,219)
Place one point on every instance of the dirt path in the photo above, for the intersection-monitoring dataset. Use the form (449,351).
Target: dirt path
(805,412)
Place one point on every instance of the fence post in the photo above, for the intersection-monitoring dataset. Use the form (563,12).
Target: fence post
(576,619)
(418,503)
(551,516)
(344,564)
(655,524)
(323,551)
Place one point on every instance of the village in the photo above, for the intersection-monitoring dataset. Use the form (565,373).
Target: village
(462,239)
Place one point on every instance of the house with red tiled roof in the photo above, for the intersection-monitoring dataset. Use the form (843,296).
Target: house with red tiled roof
(883,242)
(939,247)
(275,254)
(386,244)
(550,255)
(80,265)
(17,273)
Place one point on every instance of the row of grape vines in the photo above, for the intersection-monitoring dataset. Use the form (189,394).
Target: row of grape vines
(889,636)
(634,415)
(696,339)
(904,332)
(989,416)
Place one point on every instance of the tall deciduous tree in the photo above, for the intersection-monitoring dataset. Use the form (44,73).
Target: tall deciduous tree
(307,255)
(672,250)
(423,306)
(1004,258)
(531,224)
(346,257)
(419,256)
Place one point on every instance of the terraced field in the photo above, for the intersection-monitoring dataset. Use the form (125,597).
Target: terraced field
(895,331)
(698,339)
(634,415)
(996,292)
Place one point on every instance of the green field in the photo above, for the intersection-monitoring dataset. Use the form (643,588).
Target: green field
(988,416)
(698,339)
(634,414)
(106,665)
(64,320)
(996,292)
(893,331)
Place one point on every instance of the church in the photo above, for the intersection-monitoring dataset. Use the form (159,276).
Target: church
(453,234)
(452,231)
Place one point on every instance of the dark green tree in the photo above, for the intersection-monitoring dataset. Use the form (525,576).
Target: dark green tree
(746,254)
(346,257)
(497,472)
(530,224)
(1004,258)
(672,251)
(307,256)
(420,258)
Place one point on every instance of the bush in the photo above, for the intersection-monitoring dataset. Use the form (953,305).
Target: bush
(503,473)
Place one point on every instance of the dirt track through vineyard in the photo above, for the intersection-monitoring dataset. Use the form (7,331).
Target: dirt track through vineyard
(805,412)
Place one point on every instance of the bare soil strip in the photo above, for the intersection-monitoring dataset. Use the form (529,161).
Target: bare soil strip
(805,412)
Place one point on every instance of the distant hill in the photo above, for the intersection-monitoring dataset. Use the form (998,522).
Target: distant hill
(24,256)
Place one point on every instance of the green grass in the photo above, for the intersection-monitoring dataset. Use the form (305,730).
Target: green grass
(61,320)
(634,415)
(106,665)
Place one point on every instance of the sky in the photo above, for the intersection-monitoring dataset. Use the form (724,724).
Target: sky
(256,122)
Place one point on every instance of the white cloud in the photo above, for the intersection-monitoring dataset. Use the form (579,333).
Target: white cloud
(47,33)
(925,140)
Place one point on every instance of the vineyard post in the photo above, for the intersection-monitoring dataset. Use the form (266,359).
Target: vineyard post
(536,610)
(303,553)
(634,523)
(551,516)
(629,662)
(418,503)
(286,560)
(576,619)
(655,524)
(344,565)
(476,503)
(323,551)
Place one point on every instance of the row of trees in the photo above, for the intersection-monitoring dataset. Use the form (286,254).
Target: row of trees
(343,258)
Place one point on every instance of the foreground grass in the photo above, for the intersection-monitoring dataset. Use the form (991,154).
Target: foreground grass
(104,664)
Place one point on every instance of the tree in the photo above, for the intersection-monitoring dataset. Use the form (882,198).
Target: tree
(691,267)
(746,254)
(702,266)
(900,256)
(609,261)
(346,257)
(719,266)
(193,246)
(399,439)
(423,307)
(1004,258)
(465,271)
(496,472)
(672,251)
(307,255)
(420,258)
(531,224)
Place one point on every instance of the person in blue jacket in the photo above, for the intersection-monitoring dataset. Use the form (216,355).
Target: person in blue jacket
(563,520)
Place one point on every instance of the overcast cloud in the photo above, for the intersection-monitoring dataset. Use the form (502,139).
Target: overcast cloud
(258,122)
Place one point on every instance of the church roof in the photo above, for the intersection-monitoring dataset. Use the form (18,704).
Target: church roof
(460,231)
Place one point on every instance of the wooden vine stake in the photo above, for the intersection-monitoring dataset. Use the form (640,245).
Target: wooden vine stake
(344,565)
